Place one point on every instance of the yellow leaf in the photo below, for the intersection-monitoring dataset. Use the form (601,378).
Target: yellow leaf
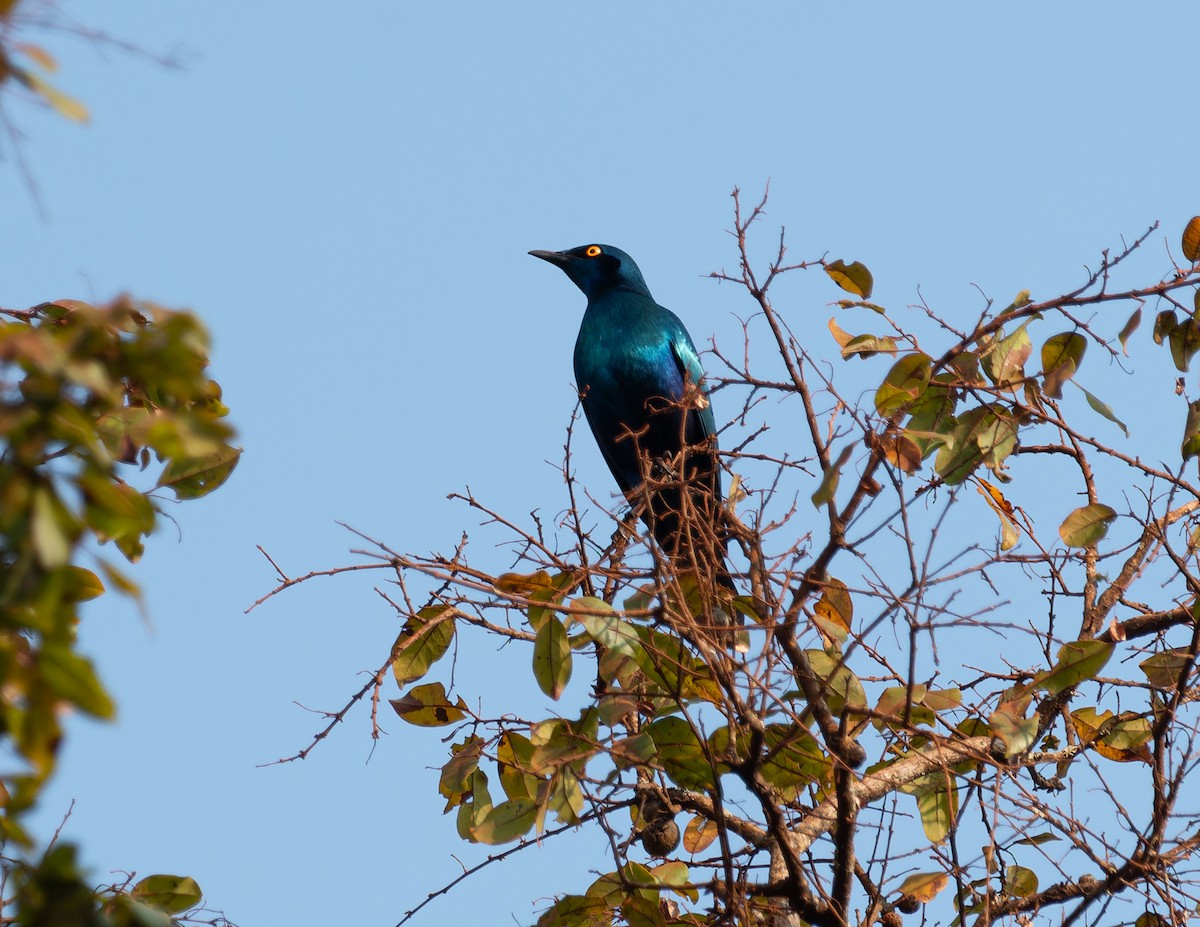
(853,278)
(840,335)
(924,886)
(1009,531)
(65,105)
(699,834)
(835,610)
(1191,240)
(523,583)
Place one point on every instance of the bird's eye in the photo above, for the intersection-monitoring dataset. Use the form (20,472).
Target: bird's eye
(592,250)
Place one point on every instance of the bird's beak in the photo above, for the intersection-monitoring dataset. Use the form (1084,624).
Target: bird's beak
(554,257)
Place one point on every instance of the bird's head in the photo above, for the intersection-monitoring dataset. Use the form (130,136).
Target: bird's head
(596,269)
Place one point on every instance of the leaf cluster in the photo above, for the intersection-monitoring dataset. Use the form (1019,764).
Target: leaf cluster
(95,402)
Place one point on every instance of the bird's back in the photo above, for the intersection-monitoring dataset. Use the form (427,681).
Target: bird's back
(627,366)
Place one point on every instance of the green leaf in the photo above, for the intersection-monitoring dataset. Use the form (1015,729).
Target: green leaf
(670,666)
(1062,354)
(1104,409)
(514,759)
(830,477)
(1020,301)
(937,803)
(680,753)
(52,533)
(866,345)
(958,454)
(82,585)
(193,477)
(635,750)
(143,915)
(507,821)
(1191,431)
(1077,662)
(793,759)
(932,416)
(642,912)
(842,688)
(1020,882)
(564,796)
(853,303)
(116,511)
(552,658)
(474,811)
(904,383)
(853,278)
(577,911)
(428,706)
(1164,323)
(1184,342)
(1087,525)
(548,589)
(558,742)
(675,876)
(170,893)
(122,582)
(1018,733)
(421,643)
(1165,670)
(996,437)
(1004,361)
(73,679)
(455,781)
(1037,840)
(895,701)
(608,630)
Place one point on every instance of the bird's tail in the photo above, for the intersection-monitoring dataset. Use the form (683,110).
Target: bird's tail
(687,524)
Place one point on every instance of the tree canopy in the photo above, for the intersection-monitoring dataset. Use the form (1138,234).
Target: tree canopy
(969,587)
(971,594)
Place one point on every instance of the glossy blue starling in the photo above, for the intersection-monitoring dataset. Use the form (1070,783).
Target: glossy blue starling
(642,387)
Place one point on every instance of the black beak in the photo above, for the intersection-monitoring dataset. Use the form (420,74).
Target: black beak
(554,257)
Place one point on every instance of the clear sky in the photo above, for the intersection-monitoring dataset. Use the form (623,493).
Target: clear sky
(345,193)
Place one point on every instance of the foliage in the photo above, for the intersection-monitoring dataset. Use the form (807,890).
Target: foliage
(90,398)
(978,686)
(93,400)
(30,66)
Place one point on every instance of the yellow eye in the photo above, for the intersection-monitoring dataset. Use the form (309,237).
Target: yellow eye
(592,250)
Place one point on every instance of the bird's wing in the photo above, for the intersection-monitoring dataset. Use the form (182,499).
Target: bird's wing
(700,416)
(621,460)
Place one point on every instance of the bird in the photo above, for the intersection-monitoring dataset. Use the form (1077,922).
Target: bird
(643,392)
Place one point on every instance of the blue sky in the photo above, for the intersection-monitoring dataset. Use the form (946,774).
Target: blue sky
(346,197)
